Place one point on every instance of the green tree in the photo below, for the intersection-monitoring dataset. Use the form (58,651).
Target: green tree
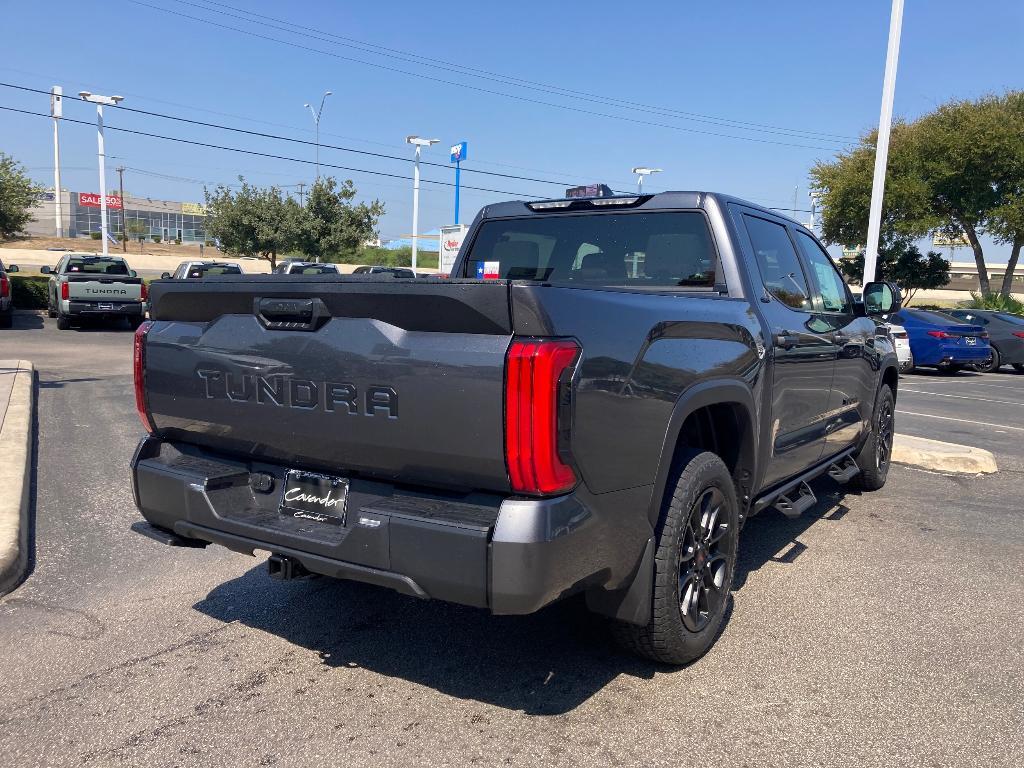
(253,221)
(331,226)
(903,263)
(17,196)
(959,169)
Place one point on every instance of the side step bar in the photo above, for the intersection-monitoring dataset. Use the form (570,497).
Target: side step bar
(794,507)
(844,470)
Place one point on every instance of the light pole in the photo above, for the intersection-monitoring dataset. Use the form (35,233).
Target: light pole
(640,173)
(316,122)
(56,110)
(100,102)
(419,143)
(892,57)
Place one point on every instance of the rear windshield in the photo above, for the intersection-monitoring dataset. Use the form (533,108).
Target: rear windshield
(935,318)
(314,269)
(220,269)
(97,266)
(669,251)
(1015,319)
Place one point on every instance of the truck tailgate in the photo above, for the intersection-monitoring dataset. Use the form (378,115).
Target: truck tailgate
(92,288)
(373,376)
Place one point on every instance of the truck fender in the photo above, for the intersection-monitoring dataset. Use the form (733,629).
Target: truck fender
(719,391)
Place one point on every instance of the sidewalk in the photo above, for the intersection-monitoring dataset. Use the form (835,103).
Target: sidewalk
(17,398)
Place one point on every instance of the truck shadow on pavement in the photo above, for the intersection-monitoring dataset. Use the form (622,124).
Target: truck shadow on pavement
(545,664)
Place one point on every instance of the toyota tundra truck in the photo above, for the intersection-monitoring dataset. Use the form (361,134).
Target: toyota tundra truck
(85,285)
(593,404)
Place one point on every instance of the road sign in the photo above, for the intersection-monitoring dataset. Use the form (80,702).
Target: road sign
(458,152)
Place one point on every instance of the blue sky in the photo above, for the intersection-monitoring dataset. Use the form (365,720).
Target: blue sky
(727,89)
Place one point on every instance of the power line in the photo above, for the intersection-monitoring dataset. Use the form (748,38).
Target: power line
(411,58)
(479,89)
(268,155)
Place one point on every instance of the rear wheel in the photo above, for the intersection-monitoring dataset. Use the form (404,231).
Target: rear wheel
(993,363)
(694,564)
(6,319)
(874,457)
(1018,367)
(63,323)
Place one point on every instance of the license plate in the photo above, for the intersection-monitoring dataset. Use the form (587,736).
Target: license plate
(971,341)
(108,307)
(315,497)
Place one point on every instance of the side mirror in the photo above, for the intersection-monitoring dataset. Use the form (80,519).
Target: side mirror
(13,268)
(165,276)
(45,270)
(132,273)
(882,298)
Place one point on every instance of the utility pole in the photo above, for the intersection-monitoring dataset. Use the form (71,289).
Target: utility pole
(100,102)
(302,187)
(892,57)
(124,220)
(56,110)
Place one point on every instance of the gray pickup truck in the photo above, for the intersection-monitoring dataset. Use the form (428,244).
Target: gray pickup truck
(602,394)
(6,295)
(85,285)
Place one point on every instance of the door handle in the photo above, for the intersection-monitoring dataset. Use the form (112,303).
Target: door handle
(786,340)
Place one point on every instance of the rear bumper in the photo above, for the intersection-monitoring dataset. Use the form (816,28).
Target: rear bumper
(121,309)
(509,555)
(948,354)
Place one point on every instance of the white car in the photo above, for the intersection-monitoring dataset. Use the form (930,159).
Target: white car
(901,341)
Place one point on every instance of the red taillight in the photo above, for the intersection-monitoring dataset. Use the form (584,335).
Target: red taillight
(1019,334)
(139,371)
(145,292)
(5,287)
(940,334)
(533,374)
(65,291)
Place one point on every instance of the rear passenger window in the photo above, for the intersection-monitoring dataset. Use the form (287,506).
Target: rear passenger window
(777,259)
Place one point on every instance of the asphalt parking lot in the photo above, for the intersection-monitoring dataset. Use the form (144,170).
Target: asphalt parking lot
(876,630)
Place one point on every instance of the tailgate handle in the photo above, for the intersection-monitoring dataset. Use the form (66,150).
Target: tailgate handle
(291,314)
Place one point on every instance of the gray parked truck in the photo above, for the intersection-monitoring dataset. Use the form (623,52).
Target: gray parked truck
(6,295)
(85,285)
(594,404)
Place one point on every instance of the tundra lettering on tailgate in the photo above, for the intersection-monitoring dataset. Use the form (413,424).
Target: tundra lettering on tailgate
(107,291)
(289,392)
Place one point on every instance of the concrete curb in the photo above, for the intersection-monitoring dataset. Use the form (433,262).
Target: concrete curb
(942,457)
(16,473)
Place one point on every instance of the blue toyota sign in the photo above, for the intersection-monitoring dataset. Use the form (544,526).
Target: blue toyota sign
(459,152)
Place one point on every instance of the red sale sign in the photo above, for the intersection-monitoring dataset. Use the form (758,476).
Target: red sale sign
(92,200)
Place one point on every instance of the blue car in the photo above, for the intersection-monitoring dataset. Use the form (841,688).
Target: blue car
(941,341)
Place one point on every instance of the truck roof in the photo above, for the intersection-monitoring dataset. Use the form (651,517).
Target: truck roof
(658,201)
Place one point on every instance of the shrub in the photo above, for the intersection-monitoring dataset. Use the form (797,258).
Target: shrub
(996,301)
(177,241)
(157,238)
(95,235)
(28,292)
(210,244)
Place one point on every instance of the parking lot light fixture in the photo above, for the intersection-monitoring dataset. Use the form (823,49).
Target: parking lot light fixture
(419,143)
(316,122)
(640,173)
(100,102)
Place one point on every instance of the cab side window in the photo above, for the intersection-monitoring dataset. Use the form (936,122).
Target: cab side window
(834,296)
(777,259)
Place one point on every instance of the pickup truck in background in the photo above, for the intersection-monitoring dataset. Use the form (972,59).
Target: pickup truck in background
(196,270)
(85,285)
(602,394)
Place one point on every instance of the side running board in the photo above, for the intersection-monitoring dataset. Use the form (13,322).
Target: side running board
(794,507)
(844,470)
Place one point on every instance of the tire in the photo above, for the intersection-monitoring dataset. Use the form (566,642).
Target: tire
(875,455)
(6,319)
(1018,367)
(696,536)
(949,370)
(63,323)
(993,364)
(51,312)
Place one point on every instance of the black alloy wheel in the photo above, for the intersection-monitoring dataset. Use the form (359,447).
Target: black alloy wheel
(703,563)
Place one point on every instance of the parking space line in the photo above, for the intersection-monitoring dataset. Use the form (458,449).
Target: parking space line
(965,421)
(969,383)
(960,397)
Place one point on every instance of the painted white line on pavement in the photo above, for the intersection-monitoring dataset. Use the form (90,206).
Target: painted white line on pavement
(968,383)
(960,397)
(965,421)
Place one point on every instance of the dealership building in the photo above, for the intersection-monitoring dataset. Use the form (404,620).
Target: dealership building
(80,216)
